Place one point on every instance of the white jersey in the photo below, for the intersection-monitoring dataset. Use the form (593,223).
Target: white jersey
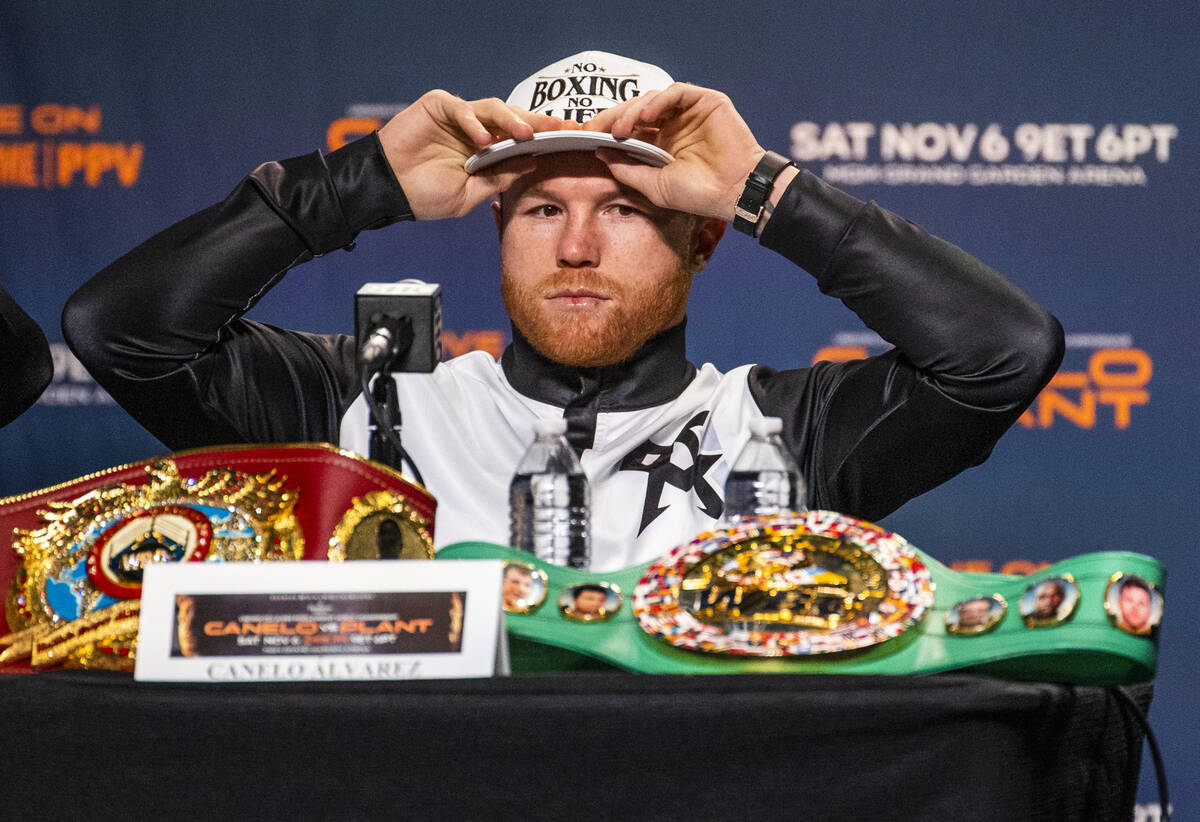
(656,474)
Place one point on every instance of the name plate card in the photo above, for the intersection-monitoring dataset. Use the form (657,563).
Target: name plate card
(317,621)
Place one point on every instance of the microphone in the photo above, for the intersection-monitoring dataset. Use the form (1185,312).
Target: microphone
(398,326)
(390,337)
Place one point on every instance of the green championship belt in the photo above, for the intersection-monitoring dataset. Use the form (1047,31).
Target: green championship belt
(825,593)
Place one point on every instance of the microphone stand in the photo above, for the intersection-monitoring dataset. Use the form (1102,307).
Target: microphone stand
(386,399)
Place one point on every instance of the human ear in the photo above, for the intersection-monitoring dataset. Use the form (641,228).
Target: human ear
(706,235)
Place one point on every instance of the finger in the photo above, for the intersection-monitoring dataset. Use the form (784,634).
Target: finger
(637,175)
(461,115)
(543,122)
(502,120)
(620,120)
(676,97)
(604,120)
(629,113)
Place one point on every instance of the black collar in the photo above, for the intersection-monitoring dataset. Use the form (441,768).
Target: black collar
(657,373)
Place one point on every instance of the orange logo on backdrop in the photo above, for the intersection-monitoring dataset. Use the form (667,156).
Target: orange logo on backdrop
(55,150)
(348,129)
(360,120)
(1019,567)
(1114,381)
(489,340)
(1115,378)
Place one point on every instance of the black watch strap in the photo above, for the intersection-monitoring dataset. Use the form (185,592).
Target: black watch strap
(758,186)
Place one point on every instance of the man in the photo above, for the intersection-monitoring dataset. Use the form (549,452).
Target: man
(587,602)
(973,614)
(517,587)
(597,252)
(1047,598)
(1134,607)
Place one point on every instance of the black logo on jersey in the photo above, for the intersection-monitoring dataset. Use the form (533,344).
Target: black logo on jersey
(655,460)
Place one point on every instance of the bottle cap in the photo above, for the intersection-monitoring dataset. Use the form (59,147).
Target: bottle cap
(766,426)
(553,427)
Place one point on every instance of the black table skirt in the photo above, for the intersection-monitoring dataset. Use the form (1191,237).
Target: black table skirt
(96,745)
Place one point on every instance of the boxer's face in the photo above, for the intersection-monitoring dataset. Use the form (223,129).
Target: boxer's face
(517,587)
(590,269)
(590,602)
(974,613)
(1046,600)
(1135,607)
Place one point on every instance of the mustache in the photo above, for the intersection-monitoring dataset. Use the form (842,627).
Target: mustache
(580,279)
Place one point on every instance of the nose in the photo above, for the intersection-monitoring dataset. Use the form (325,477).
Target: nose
(579,242)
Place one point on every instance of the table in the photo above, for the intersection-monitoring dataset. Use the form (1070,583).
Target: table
(581,745)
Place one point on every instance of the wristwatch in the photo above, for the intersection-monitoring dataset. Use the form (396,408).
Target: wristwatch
(758,185)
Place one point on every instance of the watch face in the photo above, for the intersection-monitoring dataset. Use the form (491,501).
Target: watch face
(749,208)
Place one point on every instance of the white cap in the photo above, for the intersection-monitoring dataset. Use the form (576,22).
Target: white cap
(765,426)
(553,427)
(578,88)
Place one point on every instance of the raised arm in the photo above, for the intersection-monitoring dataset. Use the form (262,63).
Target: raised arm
(162,330)
(971,349)
(971,352)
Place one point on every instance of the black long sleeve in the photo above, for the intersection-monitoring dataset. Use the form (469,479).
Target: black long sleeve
(25,364)
(971,352)
(162,330)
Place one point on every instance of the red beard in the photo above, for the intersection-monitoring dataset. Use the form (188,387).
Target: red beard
(608,333)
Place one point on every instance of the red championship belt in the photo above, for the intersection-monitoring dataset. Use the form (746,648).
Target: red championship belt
(72,555)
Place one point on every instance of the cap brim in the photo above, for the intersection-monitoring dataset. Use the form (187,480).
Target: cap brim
(550,142)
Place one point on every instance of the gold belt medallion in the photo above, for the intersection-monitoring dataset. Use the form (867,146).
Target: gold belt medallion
(815,583)
(381,525)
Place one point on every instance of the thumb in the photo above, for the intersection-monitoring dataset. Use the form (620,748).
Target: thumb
(501,176)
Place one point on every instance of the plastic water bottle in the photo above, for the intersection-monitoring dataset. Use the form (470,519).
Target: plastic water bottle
(549,500)
(764,480)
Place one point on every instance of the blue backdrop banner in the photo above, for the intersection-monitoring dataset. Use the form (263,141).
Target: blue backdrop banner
(1057,142)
